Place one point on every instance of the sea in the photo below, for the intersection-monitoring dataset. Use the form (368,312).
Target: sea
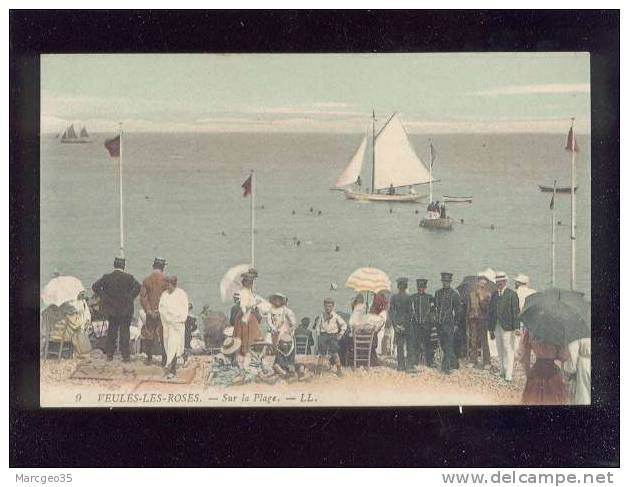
(183,201)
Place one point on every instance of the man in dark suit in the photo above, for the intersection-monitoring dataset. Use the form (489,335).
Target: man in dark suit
(448,312)
(504,309)
(421,325)
(117,291)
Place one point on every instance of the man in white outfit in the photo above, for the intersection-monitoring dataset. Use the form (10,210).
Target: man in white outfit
(521,283)
(173,311)
(504,311)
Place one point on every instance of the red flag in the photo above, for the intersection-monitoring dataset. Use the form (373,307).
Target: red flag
(552,202)
(247,187)
(571,143)
(113,146)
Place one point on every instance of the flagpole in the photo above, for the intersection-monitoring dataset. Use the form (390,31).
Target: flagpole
(121,200)
(253,193)
(553,239)
(430,168)
(573,205)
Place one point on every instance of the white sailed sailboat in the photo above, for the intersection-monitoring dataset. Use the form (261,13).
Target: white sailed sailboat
(394,165)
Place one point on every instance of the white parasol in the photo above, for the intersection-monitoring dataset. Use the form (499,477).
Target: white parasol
(61,290)
(368,279)
(231,282)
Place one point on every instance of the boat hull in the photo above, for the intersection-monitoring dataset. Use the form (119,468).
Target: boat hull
(558,189)
(457,199)
(391,198)
(76,141)
(436,223)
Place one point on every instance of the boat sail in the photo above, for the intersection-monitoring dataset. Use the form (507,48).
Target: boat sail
(394,165)
(70,136)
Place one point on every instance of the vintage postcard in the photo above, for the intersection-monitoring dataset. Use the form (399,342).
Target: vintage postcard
(307,230)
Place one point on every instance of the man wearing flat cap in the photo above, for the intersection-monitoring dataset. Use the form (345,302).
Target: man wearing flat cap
(421,325)
(117,291)
(329,328)
(504,310)
(448,310)
(400,314)
(152,332)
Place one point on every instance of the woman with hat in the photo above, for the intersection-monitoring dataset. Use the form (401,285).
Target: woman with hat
(280,319)
(248,317)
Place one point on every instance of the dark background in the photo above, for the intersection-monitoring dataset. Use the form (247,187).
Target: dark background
(430,436)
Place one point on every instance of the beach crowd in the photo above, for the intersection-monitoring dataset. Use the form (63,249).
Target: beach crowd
(263,341)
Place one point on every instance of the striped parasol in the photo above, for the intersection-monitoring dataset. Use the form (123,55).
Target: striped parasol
(368,279)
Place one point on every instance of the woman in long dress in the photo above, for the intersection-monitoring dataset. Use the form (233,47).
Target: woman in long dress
(579,369)
(544,380)
(247,320)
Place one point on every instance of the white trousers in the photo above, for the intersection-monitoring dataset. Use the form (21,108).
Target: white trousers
(505,343)
(174,340)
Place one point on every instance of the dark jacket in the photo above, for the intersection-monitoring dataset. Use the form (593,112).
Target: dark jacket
(505,310)
(423,305)
(117,291)
(449,308)
(400,311)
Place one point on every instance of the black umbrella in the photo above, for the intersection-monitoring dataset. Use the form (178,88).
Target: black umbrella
(557,316)
(468,283)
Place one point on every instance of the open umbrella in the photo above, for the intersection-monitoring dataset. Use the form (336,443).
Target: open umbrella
(468,283)
(557,316)
(61,289)
(231,282)
(368,279)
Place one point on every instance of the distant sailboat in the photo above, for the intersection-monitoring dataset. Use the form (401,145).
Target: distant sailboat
(69,136)
(394,165)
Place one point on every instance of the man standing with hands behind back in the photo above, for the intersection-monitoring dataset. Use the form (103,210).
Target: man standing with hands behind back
(504,309)
(117,291)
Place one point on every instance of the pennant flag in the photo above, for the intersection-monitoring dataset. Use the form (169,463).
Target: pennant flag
(552,202)
(113,146)
(246,186)
(571,143)
(433,155)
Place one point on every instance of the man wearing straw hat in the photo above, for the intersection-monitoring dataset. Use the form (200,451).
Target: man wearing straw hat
(329,327)
(477,317)
(504,309)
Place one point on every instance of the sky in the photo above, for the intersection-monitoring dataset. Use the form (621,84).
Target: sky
(434,93)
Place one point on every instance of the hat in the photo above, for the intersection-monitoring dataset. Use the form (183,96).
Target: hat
(230,345)
(522,278)
(228,331)
(501,276)
(159,263)
(402,281)
(250,274)
(278,295)
(446,277)
(422,282)
(328,300)
(286,338)
(488,274)
(119,262)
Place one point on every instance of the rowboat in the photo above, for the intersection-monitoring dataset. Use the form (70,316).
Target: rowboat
(457,199)
(559,189)
(436,223)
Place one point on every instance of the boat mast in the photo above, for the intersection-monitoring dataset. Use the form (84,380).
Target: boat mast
(373,151)
(430,168)
(573,205)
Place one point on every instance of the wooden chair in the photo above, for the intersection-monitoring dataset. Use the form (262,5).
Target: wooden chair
(363,342)
(301,344)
